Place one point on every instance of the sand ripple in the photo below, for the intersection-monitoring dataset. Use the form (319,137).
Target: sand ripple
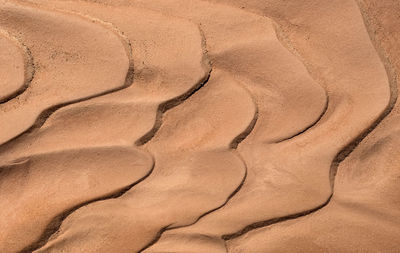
(198,126)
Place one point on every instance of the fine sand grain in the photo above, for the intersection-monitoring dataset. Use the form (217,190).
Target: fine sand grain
(199,126)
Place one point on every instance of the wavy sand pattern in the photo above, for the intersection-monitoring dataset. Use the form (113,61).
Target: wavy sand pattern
(199,126)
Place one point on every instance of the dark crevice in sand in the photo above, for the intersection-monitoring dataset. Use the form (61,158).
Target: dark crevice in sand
(392,78)
(246,132)
(310,126)
(227,199)
(162,108)
(29,73)
(156,238)
(280,35)
(235,142)
(171,227)
(238,139)
(56,223)
(44,115)
(384,56)
(346,151)
(233,145)
(54,226)
(265,223)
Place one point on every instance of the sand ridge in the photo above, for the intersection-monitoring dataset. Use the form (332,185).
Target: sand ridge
(17,68)
(198,126)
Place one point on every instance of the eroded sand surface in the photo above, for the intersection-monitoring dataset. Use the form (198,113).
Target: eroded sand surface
(199,126)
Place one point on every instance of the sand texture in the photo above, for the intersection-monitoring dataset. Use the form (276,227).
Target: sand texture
(199,126)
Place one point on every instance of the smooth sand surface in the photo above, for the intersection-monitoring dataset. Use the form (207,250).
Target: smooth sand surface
(199,126)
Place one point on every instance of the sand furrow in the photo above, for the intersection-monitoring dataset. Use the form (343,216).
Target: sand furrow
(173,102)
(163,107)
(16,67)
(310,126)
(31,207)
(83,74)
(210,171)
(78,115)
(133,114)
(345,152)
(306,167)
(199,126)
(159,234)
(363,213)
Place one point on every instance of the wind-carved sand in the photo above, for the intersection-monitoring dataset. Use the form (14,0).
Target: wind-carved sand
(199,126)
(68,68)
(16,67)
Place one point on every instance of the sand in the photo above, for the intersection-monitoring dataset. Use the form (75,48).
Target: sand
(199,126)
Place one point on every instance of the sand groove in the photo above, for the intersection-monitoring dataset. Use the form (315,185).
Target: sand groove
(17,67)
(69,56)
(342,154)
(199,126)
(310,126)
(205,228)
(356,187)
(53,226)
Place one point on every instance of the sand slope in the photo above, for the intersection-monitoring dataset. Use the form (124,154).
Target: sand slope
(199,126)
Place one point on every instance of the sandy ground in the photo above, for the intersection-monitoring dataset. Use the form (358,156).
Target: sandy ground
(191,126)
